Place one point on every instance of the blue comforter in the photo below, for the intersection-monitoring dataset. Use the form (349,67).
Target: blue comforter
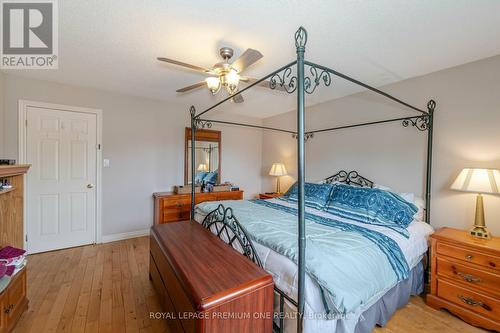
(350,263)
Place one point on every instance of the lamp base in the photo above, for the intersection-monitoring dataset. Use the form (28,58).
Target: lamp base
(278,185)
(480,232)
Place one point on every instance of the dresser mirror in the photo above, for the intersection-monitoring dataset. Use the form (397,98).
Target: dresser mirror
(207,156)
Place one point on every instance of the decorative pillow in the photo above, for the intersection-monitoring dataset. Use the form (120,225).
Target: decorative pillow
(200,175)
(210,178)
(372,206)
(410,197)
(315,195)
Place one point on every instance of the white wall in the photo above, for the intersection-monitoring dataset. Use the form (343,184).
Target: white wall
(466,133)
(144,140)
(241,152)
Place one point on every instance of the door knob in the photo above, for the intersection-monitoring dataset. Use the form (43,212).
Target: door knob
(90,185)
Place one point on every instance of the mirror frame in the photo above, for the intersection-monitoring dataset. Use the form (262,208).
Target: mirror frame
(202,135)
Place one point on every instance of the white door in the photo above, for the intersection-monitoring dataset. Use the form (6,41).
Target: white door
(61,193)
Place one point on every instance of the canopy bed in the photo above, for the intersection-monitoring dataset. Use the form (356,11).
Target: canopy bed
(386,255)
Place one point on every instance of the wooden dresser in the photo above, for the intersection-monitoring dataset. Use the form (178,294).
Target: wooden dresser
(13,301)
(171,207)
(264,196)
(465,277)
(204,285)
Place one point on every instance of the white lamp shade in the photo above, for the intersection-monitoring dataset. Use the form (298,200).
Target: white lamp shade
(213,84)
(478,181)
(232,78)
(278,169)
(202,167)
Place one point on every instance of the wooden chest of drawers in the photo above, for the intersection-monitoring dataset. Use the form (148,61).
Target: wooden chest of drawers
(171,207)
(204,285)
(13,302)
(465,277)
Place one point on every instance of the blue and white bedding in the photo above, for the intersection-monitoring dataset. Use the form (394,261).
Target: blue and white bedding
(363,204)
(349,264)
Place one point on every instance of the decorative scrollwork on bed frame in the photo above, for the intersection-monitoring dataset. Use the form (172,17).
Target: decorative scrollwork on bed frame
(285,80)
(307,136)
(421,123)
(203,123)
(349,178)
(288,81)
(311,82)
(223,224)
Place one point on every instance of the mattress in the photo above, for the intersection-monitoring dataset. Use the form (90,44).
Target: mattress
(285,274)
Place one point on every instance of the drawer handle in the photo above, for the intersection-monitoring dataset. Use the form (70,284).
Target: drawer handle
(472,302)
(468,257)
(8,308)
(469,278)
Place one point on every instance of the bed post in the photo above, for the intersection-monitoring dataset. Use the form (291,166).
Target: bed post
(431,105)
(192,111)
(300,43)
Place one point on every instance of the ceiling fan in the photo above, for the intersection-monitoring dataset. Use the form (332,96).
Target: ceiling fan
(224,74)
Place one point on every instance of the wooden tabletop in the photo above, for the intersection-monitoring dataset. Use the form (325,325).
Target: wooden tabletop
(166,194)
(209,268)
(463,237)
(12,170)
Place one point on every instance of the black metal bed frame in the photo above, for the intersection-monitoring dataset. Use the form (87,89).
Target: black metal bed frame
(349,178)
(222,220)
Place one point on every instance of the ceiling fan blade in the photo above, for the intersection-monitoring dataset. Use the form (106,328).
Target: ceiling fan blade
(238,99)
(263,84)
(249,57)
(183,64)
(191,87)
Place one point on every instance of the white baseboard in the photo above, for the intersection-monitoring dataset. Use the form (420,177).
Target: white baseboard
(124,235)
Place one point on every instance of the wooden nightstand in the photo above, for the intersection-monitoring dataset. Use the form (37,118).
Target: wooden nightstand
(269,195)
(465,277)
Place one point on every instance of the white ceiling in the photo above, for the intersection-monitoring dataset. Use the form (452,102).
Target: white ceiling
(113,44)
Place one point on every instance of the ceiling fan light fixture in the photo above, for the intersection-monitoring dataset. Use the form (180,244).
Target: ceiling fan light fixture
(213,84)
(232,79)
(223,74)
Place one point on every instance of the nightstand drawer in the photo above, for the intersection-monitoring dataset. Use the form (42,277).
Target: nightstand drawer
(475,278)
(174,215)
(479,303)
(469,255)
(176,203)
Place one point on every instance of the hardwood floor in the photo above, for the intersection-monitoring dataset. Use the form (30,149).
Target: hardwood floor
(106,288)
(101,288)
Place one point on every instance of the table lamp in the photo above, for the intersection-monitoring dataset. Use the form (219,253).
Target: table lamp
(278,170)
(480,181)
(202,167)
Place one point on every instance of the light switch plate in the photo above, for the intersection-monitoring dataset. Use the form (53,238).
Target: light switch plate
(105,163)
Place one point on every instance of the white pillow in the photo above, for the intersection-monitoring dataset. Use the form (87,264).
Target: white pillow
(410,197)
(417,201)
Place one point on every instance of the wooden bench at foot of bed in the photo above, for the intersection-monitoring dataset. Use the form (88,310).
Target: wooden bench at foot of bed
(204,285)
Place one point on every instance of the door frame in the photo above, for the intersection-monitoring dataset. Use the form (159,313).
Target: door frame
(22,118)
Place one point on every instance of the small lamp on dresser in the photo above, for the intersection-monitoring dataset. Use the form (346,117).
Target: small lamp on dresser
(278,170)
(203,167)
(480,181)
